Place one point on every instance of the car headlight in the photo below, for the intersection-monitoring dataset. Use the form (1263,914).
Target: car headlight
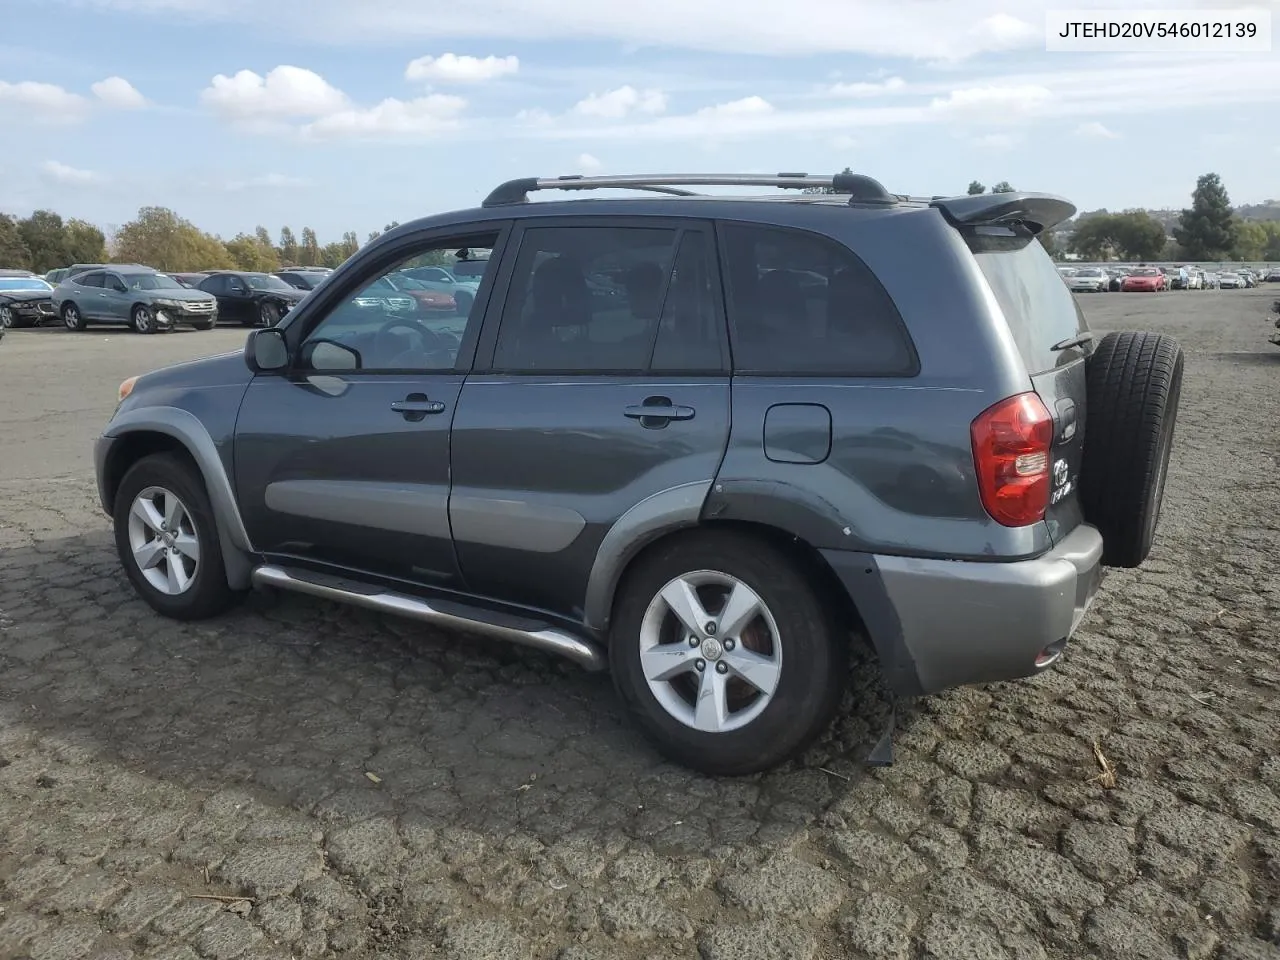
(166,304)
(126,388)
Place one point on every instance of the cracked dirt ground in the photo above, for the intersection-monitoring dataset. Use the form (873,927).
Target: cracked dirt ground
(373,789)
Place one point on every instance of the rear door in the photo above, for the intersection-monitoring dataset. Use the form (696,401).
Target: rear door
(602,381)
(1044,319)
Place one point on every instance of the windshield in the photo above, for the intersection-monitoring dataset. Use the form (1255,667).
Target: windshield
(407,283)
(309,280)
(23,283)
(1089,272)
(262,281)
(152,281)
(1145,272)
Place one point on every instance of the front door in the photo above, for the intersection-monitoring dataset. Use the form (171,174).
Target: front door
(606,383)
(344,460)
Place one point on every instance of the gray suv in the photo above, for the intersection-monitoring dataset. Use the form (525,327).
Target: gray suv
(146,300)
(702,441)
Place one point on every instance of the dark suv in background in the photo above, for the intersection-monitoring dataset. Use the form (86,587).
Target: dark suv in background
(699,440)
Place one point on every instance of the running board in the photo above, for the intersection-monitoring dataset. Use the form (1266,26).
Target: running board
(441,613)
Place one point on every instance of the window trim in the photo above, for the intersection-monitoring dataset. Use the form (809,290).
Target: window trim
(487,349)
(358,273)
(721,225)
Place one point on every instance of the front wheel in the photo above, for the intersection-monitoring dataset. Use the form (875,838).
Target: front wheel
(8,320)
(268,315)
(143,320)
(724,655)
(167,539)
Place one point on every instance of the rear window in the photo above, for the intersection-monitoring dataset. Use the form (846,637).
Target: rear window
(1037,305)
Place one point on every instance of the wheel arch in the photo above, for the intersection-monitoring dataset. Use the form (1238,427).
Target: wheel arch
(140,433)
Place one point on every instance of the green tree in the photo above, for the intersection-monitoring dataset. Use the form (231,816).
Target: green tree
(250,253)
(350,243)
(160,238)
(373,235)
(1206,231)
(309,252)
(83,242)
(1002,187)
(263,237)
(45,237)
(1271,250)
(976,187)
(288,248)
(14,254)
(1141,236)
(1251,240)
(333,254)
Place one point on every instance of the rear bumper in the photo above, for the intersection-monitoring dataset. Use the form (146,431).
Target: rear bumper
(938,624)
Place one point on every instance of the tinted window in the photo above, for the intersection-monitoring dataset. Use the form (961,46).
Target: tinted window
(94,279)
(152,281)
(1038,307)
(384,328)
(805,304)
(215,284)
(691,332)
(114,282)
(591,299)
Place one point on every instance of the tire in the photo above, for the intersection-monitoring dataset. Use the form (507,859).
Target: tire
(202,324)
(1134,385)
(202,591)
(807,647)
(143,320)
(72,318)
(268,315)
(10,321)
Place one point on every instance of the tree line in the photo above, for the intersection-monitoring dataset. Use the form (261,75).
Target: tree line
(160,238)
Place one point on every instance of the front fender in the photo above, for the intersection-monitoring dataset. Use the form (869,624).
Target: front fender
(186,429)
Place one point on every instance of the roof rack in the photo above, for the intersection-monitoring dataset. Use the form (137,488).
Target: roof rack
(860,188)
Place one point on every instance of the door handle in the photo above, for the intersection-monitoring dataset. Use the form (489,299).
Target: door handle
(416,406)
(657,412)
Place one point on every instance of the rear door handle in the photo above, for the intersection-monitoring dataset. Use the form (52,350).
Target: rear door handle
(658,412)
(416,406)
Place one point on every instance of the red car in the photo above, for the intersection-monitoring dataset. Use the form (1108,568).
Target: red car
(1144,280)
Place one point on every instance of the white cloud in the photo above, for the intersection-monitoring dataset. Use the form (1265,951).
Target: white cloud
(844,142)
(452,68)
(119,93)
(49,102)
(587,163)
(1096,131)
(746,107)
(997,100)
(534,117)
(72,176)
(428,115)
(285,92)
(864,89)
(615,104)
(1001,31)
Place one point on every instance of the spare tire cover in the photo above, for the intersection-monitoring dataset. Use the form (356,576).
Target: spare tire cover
(1134,384)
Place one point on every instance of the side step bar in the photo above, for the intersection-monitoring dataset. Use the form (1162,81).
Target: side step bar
(440,613)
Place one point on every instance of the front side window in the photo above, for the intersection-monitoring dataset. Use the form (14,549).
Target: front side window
(153,281)
(610,300)
(387,326)
(803,304)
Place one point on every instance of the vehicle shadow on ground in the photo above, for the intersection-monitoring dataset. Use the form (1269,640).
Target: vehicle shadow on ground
(1251,359)
(345,715)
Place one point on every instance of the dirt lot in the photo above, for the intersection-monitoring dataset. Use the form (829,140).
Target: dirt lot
(372,789)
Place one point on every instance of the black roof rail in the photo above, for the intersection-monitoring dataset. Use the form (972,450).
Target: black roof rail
(860,188)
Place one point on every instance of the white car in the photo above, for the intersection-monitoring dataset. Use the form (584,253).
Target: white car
(1089,280)
(1230,281)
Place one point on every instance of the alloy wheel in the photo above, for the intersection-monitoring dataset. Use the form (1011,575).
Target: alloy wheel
(164,541)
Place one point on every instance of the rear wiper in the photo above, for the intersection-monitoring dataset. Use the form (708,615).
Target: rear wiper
(1079,340)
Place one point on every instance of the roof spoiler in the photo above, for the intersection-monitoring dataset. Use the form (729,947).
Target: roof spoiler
(1037,212)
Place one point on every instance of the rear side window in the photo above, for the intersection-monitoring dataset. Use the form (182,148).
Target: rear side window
(803,304)
(91,279)
(1037,305)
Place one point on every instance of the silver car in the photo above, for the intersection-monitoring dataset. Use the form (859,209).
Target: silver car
(1230,281)
(1089,280)
(146,300)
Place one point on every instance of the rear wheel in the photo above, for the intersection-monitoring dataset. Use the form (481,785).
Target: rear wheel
(1134,385)
(167,539)
(72,318)
(724,655)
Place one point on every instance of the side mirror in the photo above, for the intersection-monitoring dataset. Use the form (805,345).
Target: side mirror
(329,356)
(266,351)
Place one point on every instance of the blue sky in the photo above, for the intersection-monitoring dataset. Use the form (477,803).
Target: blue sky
(341,115)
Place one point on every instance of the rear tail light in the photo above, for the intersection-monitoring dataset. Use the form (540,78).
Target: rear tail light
(1011,445)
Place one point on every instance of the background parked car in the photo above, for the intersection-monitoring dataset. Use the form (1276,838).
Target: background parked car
(251,299)
(145,299)
(190,280)
(25,299)
(1117,275)
(1089,280)
(1230,281)
(1273,275)
(303,278)
(1144,280)
(462,289)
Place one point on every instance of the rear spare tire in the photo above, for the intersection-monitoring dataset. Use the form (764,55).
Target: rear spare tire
(1134,384)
